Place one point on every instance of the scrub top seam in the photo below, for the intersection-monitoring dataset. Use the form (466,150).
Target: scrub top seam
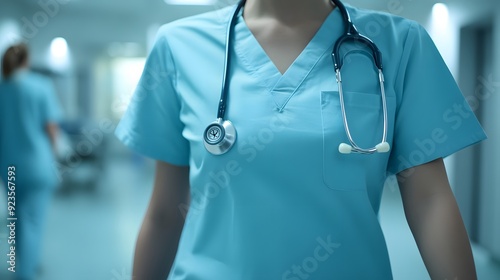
(177,95)
(174,72)
(400,86)
(270,80)
(252,71)
(274,82)
(306,75)
(444,152)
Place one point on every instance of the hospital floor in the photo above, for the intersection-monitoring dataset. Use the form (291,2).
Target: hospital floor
(90,234)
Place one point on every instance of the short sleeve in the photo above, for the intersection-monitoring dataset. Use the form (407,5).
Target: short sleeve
(433,119)
(151,124)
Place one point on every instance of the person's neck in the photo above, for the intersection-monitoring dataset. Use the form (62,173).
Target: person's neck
(288,11)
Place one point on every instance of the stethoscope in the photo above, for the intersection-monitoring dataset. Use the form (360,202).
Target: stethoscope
(220,135)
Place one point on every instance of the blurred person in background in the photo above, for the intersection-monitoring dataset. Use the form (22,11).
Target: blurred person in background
(29,113)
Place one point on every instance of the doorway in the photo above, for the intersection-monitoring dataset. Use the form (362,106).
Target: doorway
(473,175)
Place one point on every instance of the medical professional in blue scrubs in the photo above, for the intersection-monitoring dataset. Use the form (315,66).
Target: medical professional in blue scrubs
(29,113)
(283,202)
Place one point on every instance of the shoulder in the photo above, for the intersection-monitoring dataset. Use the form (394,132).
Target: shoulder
(205,25)
(379,24)
(28,77)
(380,18)
(27,85)
(34,84)
(37,78)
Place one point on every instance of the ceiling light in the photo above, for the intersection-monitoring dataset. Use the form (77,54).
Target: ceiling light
(440,14)
(190,2)
(59,47)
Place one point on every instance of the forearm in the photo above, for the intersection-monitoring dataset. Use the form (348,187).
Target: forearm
(52,131)
(441,237)
(156,248)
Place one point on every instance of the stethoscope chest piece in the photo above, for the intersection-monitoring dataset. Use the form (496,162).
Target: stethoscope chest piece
(219,137)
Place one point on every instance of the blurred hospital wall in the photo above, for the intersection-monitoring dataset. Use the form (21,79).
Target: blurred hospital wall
(94,51)
(469,42)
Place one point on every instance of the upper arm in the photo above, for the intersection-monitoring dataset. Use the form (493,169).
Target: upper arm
(170,192)
(422,182)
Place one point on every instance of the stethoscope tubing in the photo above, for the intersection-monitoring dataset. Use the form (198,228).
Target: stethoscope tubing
(221,112)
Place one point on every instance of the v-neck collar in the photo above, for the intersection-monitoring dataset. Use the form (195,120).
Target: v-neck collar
(257,62)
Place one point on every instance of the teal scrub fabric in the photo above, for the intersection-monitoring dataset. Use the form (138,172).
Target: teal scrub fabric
(283,203)
(27,104)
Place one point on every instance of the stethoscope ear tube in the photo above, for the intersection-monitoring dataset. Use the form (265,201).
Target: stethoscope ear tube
(357,38)
(345,148)
(383,146)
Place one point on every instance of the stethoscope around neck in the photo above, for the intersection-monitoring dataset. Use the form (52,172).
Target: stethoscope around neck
(220,135)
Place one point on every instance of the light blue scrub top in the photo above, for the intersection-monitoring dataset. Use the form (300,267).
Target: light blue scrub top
(27,104)
(283,203)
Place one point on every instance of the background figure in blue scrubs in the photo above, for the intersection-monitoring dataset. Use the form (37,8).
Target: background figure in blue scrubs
(283,203)
(28,128)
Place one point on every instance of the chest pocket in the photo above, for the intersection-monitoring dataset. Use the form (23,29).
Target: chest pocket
(365,118)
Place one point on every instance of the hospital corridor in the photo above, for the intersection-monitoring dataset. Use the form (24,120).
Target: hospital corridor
(291,166)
